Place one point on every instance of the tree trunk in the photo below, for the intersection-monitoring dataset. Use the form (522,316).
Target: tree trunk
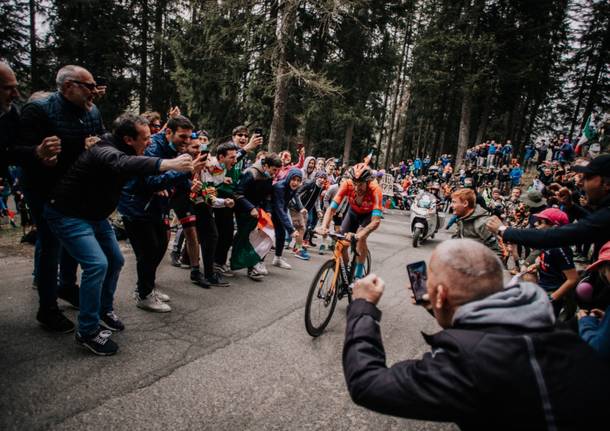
(347,148)
(593,92)
(464,132)
(284,28)
(482,129)
(395,101)
(34,72)
(144,57)
(157,65)
(402,117)
(581,92)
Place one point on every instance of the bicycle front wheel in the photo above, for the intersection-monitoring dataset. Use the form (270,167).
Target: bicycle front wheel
(321,299)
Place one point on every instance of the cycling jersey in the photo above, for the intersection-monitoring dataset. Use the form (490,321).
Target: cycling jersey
(371,201)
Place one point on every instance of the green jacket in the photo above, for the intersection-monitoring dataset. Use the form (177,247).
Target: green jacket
(473,227)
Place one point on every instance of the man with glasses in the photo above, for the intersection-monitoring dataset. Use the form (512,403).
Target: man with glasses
(67,123)
(593,228)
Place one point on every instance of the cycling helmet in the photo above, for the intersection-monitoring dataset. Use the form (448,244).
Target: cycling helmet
(360,173)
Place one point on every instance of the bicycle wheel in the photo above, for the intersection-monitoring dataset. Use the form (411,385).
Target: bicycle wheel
(321,300)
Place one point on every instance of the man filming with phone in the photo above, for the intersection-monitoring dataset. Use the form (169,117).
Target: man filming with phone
(498,363)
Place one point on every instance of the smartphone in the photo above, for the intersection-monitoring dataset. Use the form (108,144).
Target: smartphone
(418,276)
(258,131)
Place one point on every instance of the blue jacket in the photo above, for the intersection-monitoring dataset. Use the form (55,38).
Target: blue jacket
(139,199)
(282,195)
(417,163)
(596,333)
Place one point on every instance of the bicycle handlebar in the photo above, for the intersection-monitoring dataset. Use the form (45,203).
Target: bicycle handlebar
(340,236)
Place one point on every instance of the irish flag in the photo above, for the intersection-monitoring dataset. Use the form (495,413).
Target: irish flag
(263,237)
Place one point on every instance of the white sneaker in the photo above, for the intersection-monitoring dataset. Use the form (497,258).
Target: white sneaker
(261,268)
(163,297)
(281,263)
(152,303)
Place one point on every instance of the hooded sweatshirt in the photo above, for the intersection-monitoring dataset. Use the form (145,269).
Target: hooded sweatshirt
(473,227)
(310,176)
(282,195)
(524,305)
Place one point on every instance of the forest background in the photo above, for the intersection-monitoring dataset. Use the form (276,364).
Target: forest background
(405,78)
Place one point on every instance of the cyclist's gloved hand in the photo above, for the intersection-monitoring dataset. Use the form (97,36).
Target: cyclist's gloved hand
(369,288)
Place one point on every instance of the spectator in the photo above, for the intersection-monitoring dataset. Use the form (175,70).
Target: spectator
(593,228)
(230,156)
(253,193)
(498,363)
(556,271)
(283,192)
(471,219)
(69,122)
(594,324)
(144,207)
(79,219)
(204,194)
(310,193)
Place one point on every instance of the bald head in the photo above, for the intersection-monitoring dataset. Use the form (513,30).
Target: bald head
(71,73)
(468,269)
(8,87)
(77,85)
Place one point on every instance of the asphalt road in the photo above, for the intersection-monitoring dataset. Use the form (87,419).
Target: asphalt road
(224,359)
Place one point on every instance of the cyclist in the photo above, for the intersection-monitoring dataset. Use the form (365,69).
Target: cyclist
(364,214)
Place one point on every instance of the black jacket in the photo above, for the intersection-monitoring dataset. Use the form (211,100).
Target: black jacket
(593,228)
(91,188)
(482,378)
(54,115)
(254,190)
(10,153)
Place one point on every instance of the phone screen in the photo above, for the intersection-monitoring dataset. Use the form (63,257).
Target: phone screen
(418,276)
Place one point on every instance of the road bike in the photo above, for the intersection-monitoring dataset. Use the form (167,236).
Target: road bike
(332,283)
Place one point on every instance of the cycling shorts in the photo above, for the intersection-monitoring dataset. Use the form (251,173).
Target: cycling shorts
(352,221)
(183,207)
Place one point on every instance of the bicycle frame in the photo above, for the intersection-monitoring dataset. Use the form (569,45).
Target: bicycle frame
(340,267)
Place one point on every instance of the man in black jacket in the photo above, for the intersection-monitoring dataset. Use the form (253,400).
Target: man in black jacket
(71,122)
(77,214)
(498,363)
(593,228)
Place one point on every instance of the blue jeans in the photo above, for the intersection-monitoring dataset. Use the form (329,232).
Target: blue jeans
(94,246)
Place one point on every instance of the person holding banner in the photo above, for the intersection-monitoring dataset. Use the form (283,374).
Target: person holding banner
(252,199)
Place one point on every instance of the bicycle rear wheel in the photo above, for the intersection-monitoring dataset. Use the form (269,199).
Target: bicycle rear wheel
(321,300)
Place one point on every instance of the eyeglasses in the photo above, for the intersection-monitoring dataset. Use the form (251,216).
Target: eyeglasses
(91,86)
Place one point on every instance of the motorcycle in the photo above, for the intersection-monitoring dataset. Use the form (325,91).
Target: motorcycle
(425,219)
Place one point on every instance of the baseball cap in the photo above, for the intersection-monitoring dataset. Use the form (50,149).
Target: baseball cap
(554,216)
(604,256)
(598,166)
